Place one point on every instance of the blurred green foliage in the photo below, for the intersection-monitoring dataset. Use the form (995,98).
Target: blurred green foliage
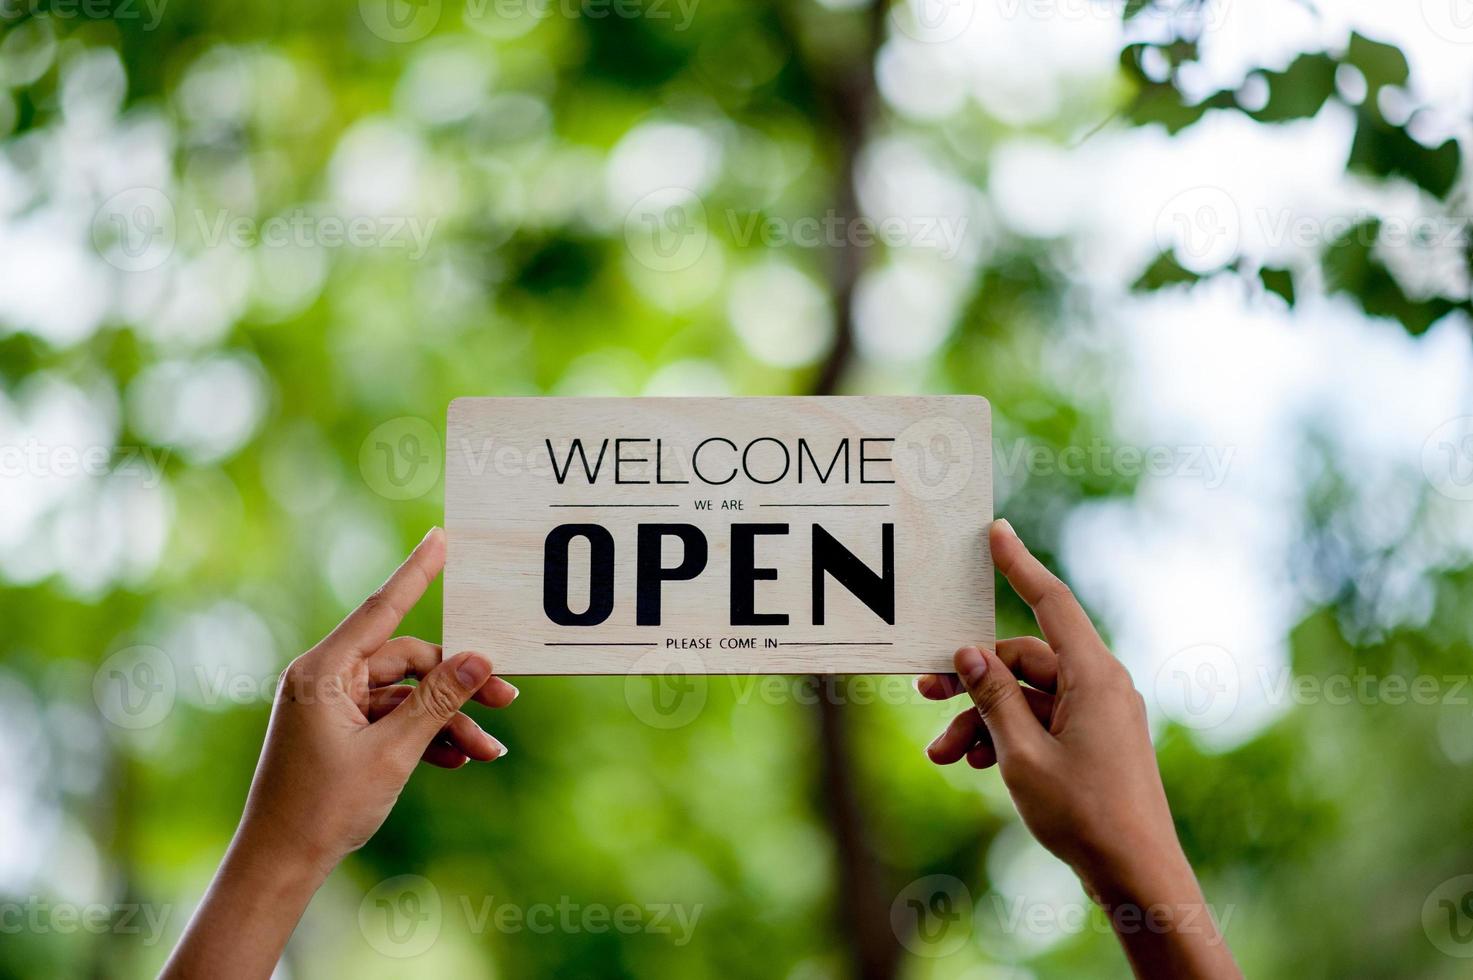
(1321,835)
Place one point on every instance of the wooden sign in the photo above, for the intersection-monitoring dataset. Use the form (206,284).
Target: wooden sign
(718,535)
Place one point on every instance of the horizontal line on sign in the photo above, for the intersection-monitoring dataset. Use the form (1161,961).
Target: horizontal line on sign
(600,644)
(613,505)
(817,643)
(823,505)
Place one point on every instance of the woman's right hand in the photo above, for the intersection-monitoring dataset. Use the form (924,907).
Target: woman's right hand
(1076,756)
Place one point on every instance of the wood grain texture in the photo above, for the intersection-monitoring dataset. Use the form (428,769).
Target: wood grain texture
(503,497)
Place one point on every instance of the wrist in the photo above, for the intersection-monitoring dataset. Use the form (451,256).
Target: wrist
(1140,874)
(1157,910)
(248,913)
(289,871)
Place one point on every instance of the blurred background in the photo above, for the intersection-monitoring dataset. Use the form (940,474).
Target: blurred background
(1208,261)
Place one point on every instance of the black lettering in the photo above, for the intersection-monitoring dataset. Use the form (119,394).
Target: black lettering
(787,460)
(619,460)
(875,591)
(695,462)
(823,476)
(600,574)
(745,575)
(863,459)
(650,573)
(577,447)
(659,462)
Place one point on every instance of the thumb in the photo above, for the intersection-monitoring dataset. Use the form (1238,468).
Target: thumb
(1000,702)
(434,702)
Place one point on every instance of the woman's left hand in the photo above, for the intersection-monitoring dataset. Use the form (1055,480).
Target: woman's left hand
(344,736)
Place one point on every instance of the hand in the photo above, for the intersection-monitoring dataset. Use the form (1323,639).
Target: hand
(345,734)
(1076,756)
(344,738)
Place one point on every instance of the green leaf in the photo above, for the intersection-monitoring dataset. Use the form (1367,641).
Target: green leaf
(1165,271)
(1352,267)
(1384,150)
(1381,64)
(1176,53)
(1300,90)
(1160,102)
(1280,281)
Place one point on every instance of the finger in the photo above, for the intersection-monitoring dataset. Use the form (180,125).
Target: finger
(982,756)
(1029,658)
(385,699)
(959,735)
(370,625)
(444,756)
(1001,703)
(1065,625)
(939,687)
(966,731)
(441,752)
(460,733)
(408,656)
(434,703)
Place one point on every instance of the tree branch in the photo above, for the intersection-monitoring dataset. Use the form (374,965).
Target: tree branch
(848,99)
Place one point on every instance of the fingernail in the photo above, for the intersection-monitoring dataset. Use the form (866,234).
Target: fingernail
(1002,522)
(429,534)
(970,664)
(500,746)
(473,671)
(514,691)
(932,745)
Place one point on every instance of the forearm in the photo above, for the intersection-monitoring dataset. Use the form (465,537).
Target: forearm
(246,917)
(1162,920)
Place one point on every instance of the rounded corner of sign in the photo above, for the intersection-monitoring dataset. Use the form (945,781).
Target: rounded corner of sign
(978,404)
(457,408)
